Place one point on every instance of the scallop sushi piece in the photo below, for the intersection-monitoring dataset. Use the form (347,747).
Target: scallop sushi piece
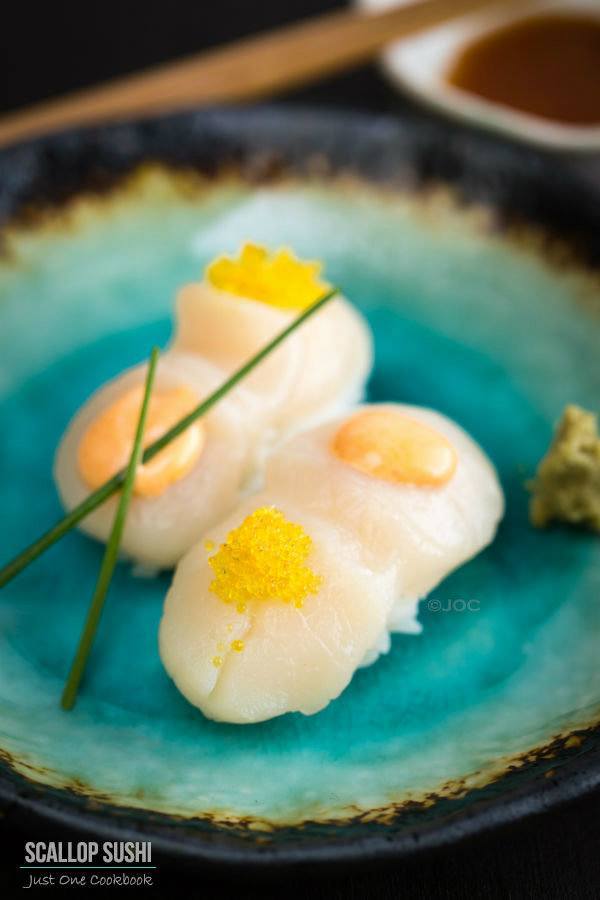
(358,519)
(407,483)
(193,482)
(276,620)
(243,303)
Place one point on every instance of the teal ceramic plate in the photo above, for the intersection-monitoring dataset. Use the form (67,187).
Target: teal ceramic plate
(474,263)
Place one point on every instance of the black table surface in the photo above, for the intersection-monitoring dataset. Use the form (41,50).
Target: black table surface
(46,49)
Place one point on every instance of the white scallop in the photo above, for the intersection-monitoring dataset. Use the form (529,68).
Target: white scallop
(160,529)
(293,659)
(425,532)
(317,371)
(378,546)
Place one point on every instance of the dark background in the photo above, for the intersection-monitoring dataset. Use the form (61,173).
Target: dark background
(46,49)
(50,48)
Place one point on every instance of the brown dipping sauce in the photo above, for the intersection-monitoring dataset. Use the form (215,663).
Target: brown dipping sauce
(548,65)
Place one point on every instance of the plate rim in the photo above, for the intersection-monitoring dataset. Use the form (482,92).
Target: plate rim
(576,778)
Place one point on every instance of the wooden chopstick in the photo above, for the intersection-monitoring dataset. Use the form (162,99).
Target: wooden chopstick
(249,69)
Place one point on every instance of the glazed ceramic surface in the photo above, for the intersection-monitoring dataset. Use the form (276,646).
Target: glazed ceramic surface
(421,63)
(476,311)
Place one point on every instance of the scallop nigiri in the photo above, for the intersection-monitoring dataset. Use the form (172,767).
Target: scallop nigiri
(178,493)
(302,584)
(408,483)
(242,303)
(198,479)
(276,619)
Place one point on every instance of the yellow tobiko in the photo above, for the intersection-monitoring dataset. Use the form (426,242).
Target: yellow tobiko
(279,279)
(264,559)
